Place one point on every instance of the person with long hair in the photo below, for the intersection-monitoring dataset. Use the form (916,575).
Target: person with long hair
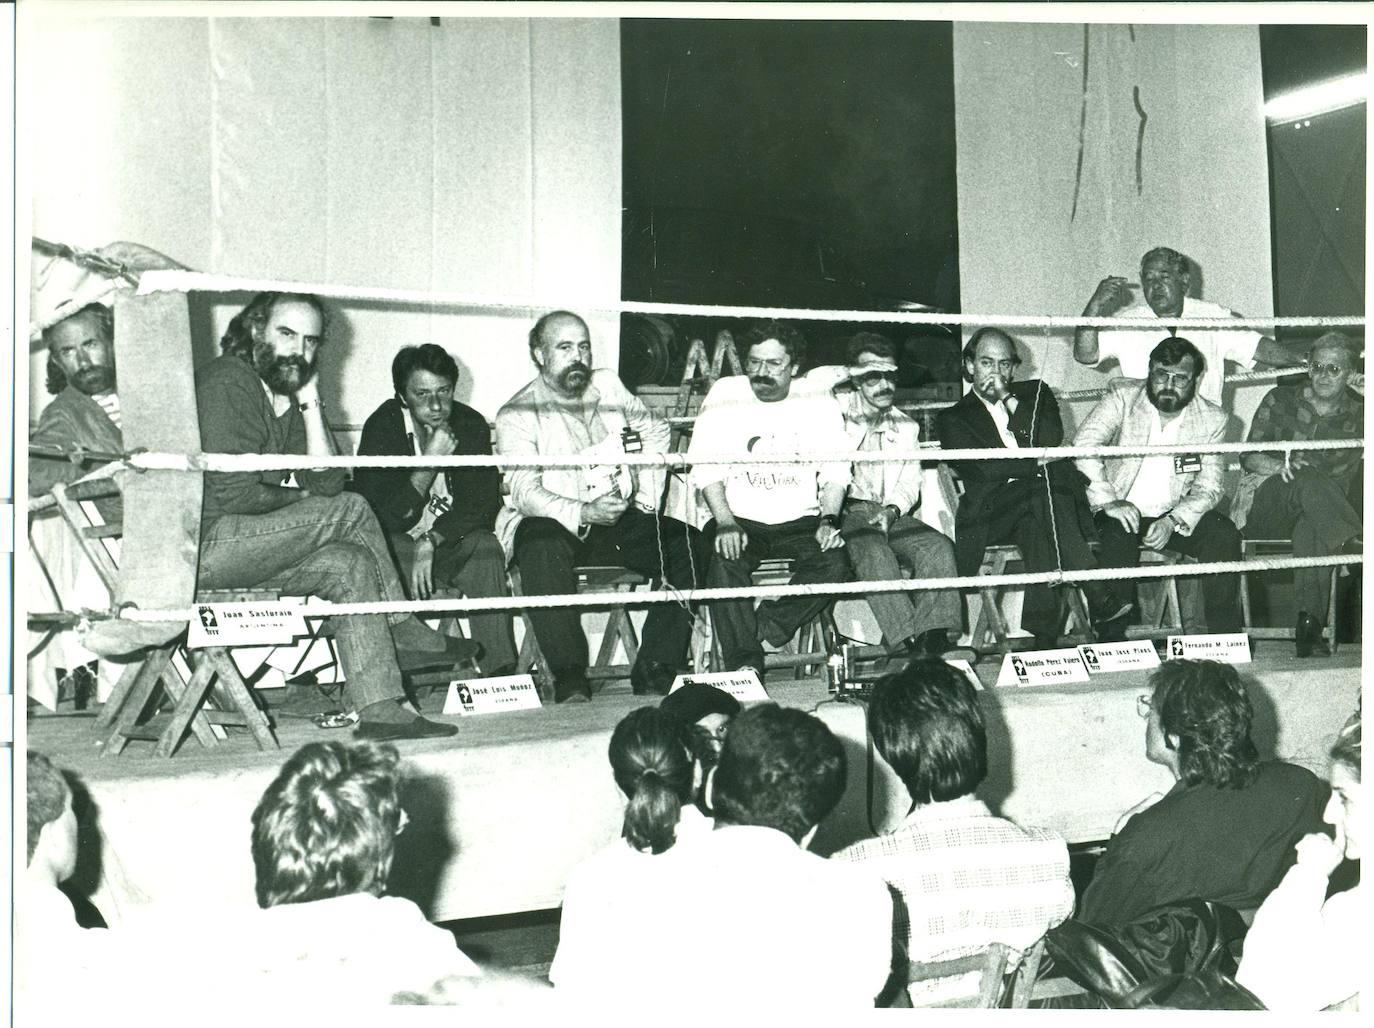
(652,763)
(1305,951)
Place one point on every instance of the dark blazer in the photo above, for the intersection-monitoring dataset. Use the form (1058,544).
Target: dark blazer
(476,492)
(968,425)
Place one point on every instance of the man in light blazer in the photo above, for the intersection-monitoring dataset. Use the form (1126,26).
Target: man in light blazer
(1167,501)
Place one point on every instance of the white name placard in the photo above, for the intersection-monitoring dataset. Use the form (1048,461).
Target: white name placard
(966,668)
(1042,667)
(244,624)
(742,685)
(1230,648)
(491,695)
(1100,658)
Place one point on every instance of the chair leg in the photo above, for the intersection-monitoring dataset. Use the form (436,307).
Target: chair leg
(242,696)
(145,682)
(187,706)
(118,696)
(1331,632)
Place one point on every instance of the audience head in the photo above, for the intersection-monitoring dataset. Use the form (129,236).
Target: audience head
(1334,357)
(1165,275)
(327,824)
(780,768)
(424,377)
(1199,718)
(773,353)
(651,759)
(872,361)
(708,712)
(1175,367)
(279,334)
(561,348)
(52,822)
(990,362)
(81,351)
(927,724)
(1343,811)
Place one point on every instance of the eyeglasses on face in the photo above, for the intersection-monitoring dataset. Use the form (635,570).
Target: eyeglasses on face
(1329,370)
(870,377)
(1144,705)
(775,365)
(1170,378)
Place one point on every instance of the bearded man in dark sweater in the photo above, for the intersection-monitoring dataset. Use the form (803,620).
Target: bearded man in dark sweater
(310,537)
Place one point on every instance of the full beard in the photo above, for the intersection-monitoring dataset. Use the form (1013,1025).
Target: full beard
(1167,401)
(283,375)
(574,378)
(94,380)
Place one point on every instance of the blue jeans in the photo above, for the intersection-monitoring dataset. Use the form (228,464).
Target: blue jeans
(326,546)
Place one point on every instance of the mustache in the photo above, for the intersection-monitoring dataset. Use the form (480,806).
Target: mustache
(574,368)
(761,380)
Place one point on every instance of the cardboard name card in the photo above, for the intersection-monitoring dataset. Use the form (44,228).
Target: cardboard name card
(491,695)
(966,668)
(742,685)
(1101,658)
(1228,648)
(244,624)
(1042,667)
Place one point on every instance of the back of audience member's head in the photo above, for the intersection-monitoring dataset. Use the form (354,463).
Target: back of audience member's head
(1204,705)
(928,726)
(651,759)
(1346,751)
(327,824)
(780,768)
(48,798)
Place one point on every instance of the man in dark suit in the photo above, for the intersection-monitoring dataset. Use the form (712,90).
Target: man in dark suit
(1009,501)
(440,526)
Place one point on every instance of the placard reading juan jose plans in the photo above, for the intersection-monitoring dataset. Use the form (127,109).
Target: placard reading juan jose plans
(1100,658)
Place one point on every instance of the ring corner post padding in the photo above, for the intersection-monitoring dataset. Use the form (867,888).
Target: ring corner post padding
(161,542)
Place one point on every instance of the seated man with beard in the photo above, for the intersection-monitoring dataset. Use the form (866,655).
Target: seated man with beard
(311,538)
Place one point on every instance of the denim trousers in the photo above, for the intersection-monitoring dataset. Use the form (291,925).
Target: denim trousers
(325,546)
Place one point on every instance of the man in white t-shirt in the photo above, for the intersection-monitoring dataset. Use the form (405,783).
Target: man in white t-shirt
(770,510)
(1166,501)
(1164,280)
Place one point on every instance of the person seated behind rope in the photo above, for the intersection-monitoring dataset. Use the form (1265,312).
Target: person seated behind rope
(439,524)
(963,878)
(1165,276)
(760,511)
(1225,831)
(651,760)
(708,712)
(1037,505)
(261,396)
(1306,951)
(882,533)
(1163,502)
(1314,497)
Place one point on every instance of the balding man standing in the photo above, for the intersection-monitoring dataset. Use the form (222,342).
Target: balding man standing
(1039,506)
(602,513)
(1165,276)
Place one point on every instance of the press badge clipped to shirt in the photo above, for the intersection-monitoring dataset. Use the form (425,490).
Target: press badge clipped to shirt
(1187,463)
(631,440)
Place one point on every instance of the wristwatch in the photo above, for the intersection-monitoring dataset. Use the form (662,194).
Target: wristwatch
(316,402)
(429,534)
(1173,520)
(832,520)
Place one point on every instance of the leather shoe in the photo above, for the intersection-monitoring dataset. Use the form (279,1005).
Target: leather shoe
(1308,637)
(417,728)
(455,651)
(650,678)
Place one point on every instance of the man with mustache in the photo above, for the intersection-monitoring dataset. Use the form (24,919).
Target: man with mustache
(1036,504)
(1166,501)
(602,513)
(1165,276)
(311,538)
(881,530)
(770,510)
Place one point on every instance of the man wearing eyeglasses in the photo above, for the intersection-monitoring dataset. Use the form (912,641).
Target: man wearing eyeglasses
(770,510)
(1036,504)
(1314,497)
(1165,501)
(1165,276)
(880,527)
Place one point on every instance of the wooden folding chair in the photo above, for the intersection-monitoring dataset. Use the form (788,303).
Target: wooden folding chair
(961,988)
(990,630)
(1257,548)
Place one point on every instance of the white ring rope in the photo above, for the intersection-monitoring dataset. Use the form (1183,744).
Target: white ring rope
(199,281)
(320,608)
(241,462)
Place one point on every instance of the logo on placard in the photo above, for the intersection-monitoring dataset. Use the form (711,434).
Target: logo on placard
(1177,648)
(1019,667)
(1090,655)
(465,696)
(208,620)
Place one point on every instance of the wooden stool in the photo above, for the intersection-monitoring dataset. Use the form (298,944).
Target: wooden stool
(1280,548)
(991,628)
(1160,610)
(620,631)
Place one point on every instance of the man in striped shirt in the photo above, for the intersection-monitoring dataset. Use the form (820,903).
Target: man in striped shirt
(962,877)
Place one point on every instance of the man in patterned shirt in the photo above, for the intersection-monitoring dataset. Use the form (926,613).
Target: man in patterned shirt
(1316,496)
(963,878)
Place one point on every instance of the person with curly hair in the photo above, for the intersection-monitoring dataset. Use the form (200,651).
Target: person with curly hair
(1226,830)
(1306,951)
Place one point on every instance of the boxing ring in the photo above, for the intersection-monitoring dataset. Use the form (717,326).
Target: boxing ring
(501,813)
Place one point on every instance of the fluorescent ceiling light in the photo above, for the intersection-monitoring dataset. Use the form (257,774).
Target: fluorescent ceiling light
(1322,98)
